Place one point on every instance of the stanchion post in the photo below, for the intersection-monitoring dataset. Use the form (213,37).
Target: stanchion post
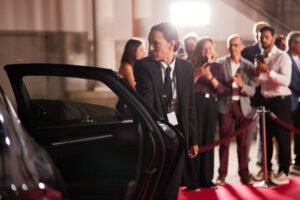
(265,182)
(264,143)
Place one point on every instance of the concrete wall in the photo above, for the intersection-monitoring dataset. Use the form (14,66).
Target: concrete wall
(76,17)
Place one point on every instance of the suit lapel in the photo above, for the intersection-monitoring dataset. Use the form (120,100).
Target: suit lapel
(227,69)
(295,65)
(179,79)
(157,76)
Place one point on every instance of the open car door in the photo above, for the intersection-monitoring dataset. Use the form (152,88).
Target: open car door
(100,153)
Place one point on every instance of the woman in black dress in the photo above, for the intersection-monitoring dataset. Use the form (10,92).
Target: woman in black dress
(209,81)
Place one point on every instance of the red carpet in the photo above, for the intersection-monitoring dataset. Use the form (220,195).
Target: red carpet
(239,191)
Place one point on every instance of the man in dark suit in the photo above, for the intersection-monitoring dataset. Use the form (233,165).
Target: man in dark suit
(250,51)
(293,39)
(257,100)
(166,84)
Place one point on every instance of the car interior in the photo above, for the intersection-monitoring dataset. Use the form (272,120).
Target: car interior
(92,144)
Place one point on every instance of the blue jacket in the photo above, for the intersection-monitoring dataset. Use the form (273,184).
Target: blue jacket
(295,84)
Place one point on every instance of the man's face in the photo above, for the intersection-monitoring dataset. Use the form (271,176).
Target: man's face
(159,48)
(260,26)
(282,44)
(236,46)
(190,45)
(296,45)
(267,39)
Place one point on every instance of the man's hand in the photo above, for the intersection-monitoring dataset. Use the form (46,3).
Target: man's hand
(263,67)
(193,151)
(238,79)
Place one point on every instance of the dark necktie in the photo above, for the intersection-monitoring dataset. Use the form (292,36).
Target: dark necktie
(168,85)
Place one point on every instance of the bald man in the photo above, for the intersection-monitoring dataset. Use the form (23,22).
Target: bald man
(234,108)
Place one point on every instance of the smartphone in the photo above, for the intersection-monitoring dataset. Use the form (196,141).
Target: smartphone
(260,58)
(203,60)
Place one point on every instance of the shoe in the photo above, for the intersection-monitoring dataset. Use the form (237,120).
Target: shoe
(258,163)
(192,189)
(295,170)
(280,179)
(183,187)
(246,179)
(296,167)
(211,185)
(220,181)
(260,175)
(207,185)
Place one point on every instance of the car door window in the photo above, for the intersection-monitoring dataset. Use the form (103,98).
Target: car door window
(52,108)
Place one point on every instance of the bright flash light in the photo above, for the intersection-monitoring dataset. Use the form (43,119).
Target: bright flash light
(42,185)
(7,141)
(190,13)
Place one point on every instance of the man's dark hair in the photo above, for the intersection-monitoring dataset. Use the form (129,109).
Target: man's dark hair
(293,35)
(267,28)
(169,31)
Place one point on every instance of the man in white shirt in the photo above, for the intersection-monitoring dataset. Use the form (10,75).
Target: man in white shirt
(293,40)
(274,76)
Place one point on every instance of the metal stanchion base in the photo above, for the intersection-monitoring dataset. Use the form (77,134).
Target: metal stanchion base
(264,184)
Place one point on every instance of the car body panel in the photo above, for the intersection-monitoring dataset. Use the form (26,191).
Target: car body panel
(26,170)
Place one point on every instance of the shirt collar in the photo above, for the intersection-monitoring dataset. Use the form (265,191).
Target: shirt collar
(296,57)
(273,51)
(172,64)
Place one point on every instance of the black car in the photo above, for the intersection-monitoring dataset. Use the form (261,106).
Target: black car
(100,153)
(26,171)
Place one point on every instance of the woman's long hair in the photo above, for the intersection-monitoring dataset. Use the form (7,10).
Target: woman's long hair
(130,51)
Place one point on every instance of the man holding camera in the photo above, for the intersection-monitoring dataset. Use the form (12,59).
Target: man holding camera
(274,76)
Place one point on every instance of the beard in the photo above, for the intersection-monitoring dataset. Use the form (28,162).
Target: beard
(266,46)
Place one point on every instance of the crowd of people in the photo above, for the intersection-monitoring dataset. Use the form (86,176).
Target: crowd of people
(197,92)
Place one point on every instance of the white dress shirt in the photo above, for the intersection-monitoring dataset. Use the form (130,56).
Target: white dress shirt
(234,68)
(173,79)
(276,83)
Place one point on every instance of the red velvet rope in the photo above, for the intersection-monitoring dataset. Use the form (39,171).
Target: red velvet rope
(230,136)
(283,123)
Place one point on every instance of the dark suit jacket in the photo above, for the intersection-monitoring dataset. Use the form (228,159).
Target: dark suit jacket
(249,53)
(295,84)
(149,85)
